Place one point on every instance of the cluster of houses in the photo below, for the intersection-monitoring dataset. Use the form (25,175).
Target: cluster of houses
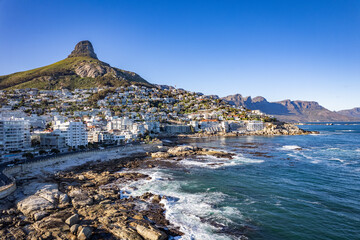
(52,121)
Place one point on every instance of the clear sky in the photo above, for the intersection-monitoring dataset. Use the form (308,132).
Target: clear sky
(289,49)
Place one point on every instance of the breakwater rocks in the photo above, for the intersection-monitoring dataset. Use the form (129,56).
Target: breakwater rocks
(85,202)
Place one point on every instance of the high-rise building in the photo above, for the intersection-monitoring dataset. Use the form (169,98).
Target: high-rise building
(14,134)
(75,133)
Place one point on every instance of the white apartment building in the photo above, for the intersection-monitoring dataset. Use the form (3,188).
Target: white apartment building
(14,134)
(75,133)
(53,140)
(254,125)
(122,124)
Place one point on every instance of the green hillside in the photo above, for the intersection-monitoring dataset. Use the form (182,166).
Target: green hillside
(73,72)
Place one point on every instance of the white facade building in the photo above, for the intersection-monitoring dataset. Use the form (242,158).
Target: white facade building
(75,133)
(121,124)
(14,134)
(255,126)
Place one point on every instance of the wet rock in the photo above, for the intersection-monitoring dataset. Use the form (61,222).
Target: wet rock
(64,198)
(51,223)
(280,128)
(74,228)
(17,233)
(180,149)
(84,233)
(33,204)
(105,202)
(150,233)
(81,177)
(160,155)
(50,192)
(40,215)
(146,196)
(80,198)
(156,198)
(124,233)
(72,220)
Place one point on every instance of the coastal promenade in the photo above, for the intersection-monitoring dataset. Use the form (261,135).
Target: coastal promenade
(8,183)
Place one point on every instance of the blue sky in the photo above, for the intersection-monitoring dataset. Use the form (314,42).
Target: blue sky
(290,49)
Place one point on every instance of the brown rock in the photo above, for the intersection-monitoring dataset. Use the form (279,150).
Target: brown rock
(72,220)
(83,49)
(150,233)
(84,233)
(74,228)
(124,233)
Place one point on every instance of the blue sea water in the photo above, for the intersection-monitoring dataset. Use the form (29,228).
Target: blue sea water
(283,187)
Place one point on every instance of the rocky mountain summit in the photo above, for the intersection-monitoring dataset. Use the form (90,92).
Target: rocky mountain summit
(288,110)
(81,69)
(83,49)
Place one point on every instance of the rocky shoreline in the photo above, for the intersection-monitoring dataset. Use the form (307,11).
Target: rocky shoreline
(87,201)
(270,129)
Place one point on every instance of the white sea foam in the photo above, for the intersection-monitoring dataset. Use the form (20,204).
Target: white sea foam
(214,162)
(186,210)
(290,147)
(337,159)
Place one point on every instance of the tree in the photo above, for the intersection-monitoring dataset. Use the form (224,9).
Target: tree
(28,155)
(49,126)
(35,142)
(55,151)
(42,152)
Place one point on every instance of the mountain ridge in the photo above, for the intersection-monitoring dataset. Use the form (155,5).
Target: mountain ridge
(354,112)
(288,110)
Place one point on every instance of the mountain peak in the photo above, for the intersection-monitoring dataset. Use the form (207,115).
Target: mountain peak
(83,49)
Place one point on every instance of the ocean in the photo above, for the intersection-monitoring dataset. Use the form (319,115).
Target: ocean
(281,187)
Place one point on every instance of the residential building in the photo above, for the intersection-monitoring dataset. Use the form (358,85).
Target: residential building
(255,126)
(14,134)
(53,140)
(75,133)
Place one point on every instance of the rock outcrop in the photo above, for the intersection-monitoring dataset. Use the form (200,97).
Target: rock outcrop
(83,49)
(280,128)
(188,150)
(86,202)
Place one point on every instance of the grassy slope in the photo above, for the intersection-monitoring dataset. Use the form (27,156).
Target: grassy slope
(63,75)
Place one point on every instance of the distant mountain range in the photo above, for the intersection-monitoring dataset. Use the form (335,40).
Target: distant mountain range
(294,111)
(81,69)
(355,112)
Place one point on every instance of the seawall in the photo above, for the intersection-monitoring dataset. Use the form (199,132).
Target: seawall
(61,162)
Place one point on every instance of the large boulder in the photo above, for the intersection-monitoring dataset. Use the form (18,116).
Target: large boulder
(80,198)
(181,149)
(72,220)
(124,233)
(50,192)
(150,233)
(45,197)
(160,155)
(34,203)
(84,233)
